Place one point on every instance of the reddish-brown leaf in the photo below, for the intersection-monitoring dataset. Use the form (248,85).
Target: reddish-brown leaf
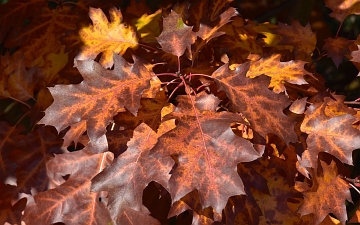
(343,8)
(337,48)
(207,157)
(333,134)
(32,154)
(126,178)
(63,203)
(8,135)
(301,38)
(15,80)
(98,98)
(252,98)
(176,35)
(10,210)
(298,106)
(327,194)
(14,13)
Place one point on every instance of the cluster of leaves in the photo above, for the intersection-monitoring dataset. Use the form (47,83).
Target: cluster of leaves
(188,115)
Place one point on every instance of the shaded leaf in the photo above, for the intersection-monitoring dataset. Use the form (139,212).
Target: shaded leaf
(342,8)
(337,48)
(63,203)
(132,171)
(327,194)
(251,97)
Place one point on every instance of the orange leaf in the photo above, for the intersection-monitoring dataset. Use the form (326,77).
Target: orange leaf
(343,8)
(99,97)
(292,72)
(334,135)
(327,194)
(251,97)
(207,157)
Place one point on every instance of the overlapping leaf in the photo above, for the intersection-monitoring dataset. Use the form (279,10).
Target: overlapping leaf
(207,157)
(14,13)
(292,72)
(301,38)
(63,203)
(337,48)
(176,35)
(31,155)
(343,8)
(99,97)
(331,134)
(132,171)
(251,97)
(106,37)
(320,200)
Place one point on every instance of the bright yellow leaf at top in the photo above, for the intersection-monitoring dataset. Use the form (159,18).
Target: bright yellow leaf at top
(148,26)
(105,37)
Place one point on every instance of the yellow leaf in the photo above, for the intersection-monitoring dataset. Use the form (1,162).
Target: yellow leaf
(148,26)
(106,37)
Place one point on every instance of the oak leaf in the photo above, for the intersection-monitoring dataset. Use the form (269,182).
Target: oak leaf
(320,199)
(251,97)
(337,48)
(14,13)
(132,171)
(105,37)
(99,97)
(280,72)
(207,157)
(16,81)
(58,204)
(301,38)
(31,156)
(343,8)
(176,35)
(332,134)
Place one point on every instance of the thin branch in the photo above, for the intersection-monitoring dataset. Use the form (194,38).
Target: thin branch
(351,103)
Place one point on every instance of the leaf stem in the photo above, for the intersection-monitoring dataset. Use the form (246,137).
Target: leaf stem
(24,103)
(351,102)
(166,74)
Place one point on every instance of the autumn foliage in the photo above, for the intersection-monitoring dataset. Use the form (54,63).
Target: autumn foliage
(186,114)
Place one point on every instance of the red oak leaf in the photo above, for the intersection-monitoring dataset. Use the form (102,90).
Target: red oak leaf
(101,95)
(207,157)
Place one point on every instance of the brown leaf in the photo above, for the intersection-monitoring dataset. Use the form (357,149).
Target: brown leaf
(327,194)
(99,97)
(32,154)
(298,106)
(207,157)
(58,204)
(126,178)
(343,8)
(332,134)
(176,35)
(301,38)
(252,98)
(337,48)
